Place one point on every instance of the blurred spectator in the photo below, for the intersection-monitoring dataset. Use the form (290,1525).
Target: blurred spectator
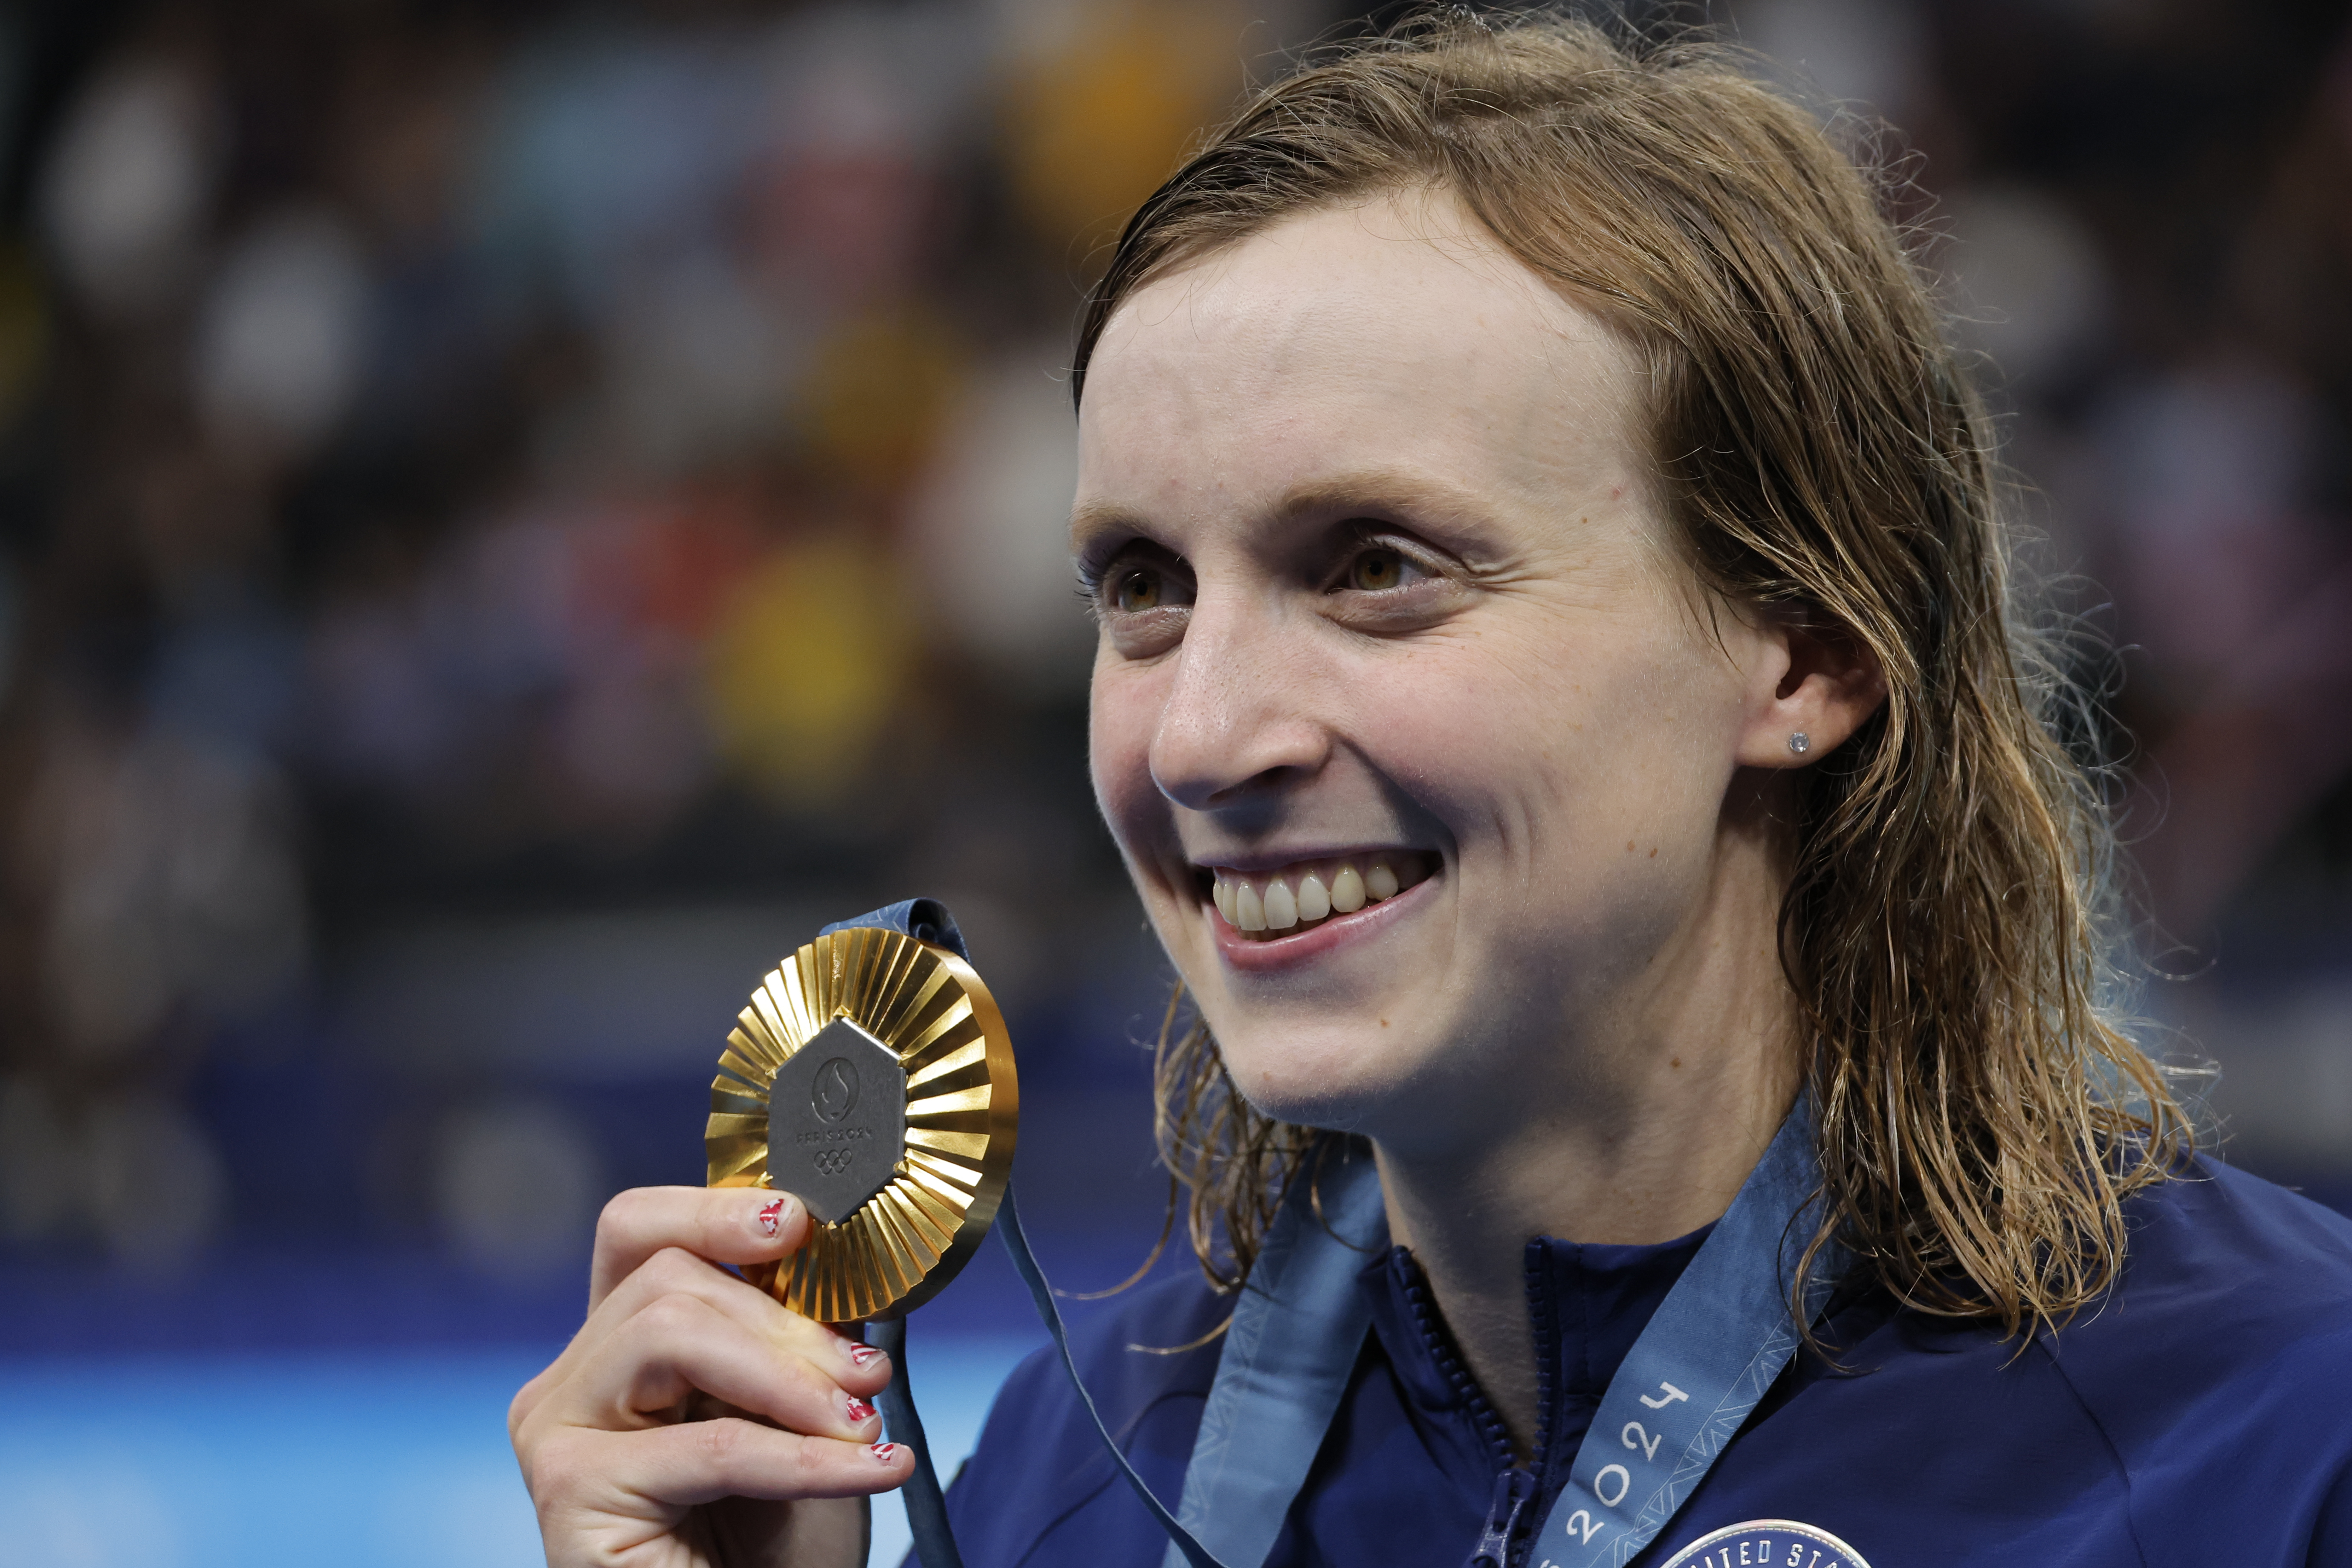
(129,181)
(470,471)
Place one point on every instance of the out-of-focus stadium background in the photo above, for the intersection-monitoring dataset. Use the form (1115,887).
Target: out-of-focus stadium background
(512,514)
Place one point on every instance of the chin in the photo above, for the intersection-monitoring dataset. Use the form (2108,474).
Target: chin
(1332,1083)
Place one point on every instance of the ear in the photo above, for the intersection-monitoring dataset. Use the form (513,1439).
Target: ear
(1819,683)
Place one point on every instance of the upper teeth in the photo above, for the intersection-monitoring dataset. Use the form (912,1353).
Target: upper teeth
(1304,896)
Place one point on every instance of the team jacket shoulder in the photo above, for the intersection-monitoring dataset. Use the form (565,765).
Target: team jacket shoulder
(2220,1368)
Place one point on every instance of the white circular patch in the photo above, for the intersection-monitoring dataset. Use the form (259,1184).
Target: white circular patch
(1768,1543)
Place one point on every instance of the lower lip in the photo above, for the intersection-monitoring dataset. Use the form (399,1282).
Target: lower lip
(1257,955)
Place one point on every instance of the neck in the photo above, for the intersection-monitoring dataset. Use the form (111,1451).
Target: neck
(1644,1131)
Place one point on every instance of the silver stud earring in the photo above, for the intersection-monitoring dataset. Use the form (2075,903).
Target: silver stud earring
(1800,743)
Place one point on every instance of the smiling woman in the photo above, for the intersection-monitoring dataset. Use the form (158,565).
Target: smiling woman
(1397,603)
(1649,1097)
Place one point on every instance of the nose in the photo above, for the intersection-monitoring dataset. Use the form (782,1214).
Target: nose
(1238,721)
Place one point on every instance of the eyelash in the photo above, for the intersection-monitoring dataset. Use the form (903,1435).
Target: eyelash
(1096,576)
(1409,558)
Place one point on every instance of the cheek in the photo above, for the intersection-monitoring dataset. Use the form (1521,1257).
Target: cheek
(1491,738)
(1547,755)
(1119,755)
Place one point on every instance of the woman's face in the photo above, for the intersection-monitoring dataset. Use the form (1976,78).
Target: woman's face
(1389,608)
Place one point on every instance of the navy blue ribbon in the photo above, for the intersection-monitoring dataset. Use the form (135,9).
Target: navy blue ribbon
(1182,1546)
(1691,1381)
(926,920)
(1700,1367)
(1289,1350)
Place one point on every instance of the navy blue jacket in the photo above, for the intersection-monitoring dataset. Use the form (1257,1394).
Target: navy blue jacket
(2200,1415)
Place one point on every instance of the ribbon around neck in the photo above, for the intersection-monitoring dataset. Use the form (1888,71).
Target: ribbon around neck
(1697,1373)
(1698,1370)
(1289,1351)
(1700,1367)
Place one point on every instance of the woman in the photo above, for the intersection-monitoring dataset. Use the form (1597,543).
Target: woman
(1556,701)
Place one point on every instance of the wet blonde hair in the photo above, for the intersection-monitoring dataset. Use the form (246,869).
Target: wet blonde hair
(1981,1115)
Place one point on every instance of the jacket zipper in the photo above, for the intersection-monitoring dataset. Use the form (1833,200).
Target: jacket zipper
(1502,1541)
(1543,1312)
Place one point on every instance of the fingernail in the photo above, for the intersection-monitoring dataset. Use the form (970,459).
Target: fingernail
(771,1218)
(864,1354)
(860,1412)
(885,1452)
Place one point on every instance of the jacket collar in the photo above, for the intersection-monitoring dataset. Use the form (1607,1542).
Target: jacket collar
(1588,1303)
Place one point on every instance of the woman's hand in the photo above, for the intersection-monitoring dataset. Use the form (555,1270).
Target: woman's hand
(693,1419)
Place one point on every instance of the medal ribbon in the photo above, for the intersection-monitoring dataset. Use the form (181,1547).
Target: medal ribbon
(925,920)
(1696,1374)
(1290,1348)
(928,920)
(1697,1371)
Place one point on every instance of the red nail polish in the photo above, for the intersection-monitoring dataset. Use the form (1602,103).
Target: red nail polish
(772,1217)
(860,1411)
(884,1452)
(862,1353)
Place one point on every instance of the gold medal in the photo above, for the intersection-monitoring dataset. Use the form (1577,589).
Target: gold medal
(871,1077)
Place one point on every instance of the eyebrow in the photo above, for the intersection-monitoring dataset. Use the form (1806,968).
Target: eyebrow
(1090,520)
(1370,492)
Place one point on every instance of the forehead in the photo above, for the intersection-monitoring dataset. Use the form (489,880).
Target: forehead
(1393,337)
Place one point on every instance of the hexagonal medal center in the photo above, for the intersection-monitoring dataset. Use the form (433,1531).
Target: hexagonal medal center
(836,1121)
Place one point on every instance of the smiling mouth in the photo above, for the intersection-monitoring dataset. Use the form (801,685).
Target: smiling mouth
(1266,906)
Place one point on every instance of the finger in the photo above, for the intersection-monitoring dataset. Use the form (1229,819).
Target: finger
(704,1461)
(659,1473)
(726,1225)
(678,1346)
(859,1368)
(856,1365)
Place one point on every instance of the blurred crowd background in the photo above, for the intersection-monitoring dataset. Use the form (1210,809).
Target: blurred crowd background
(512,514)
